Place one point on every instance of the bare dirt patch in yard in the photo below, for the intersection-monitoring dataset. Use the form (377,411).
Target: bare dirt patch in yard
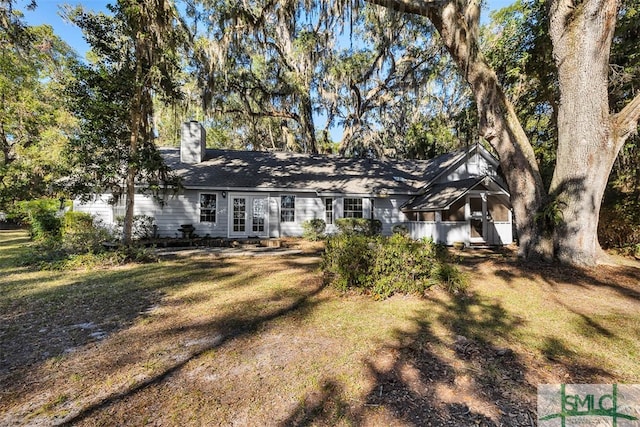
(260,341)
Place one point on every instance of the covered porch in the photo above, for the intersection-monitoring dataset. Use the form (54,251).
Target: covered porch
(474,211)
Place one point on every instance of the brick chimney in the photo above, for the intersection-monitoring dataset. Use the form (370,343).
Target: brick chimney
(192,142)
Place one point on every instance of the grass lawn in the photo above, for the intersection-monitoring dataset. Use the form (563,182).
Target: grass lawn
(208,341)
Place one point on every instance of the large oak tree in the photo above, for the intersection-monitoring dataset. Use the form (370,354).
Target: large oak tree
(589,134)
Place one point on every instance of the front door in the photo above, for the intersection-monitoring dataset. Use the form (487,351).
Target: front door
(477,220)
(259,217)
(239,216)
(248,216)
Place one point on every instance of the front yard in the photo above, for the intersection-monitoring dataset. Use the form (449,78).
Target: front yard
(202,340)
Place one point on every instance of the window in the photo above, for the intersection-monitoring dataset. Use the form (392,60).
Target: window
(287,208)
(352,208)
(455,212)
(207,207)
(411,215)
(420,216)
(328,208)
(498,211)
(259,214)
(475,207)
(427,216)
(239,214)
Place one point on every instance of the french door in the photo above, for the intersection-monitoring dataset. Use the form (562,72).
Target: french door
(248,216)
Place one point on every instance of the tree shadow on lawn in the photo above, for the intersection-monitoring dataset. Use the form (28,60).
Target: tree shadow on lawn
(431,380)
(50,322)
(601,305)
(624,280)
(113,300)
(448,371)
(213,335)
(461,378)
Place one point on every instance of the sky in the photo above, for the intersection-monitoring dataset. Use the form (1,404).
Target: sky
(48,12)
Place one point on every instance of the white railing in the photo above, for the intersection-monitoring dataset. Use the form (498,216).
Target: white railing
(450,232)
(418,230)
(498,233)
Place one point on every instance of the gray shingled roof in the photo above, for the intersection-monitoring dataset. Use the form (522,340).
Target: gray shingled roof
(263,170)
(442,195)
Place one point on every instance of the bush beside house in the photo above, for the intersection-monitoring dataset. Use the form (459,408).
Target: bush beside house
(313,229)
(383,266)
(364,226)
(68,240)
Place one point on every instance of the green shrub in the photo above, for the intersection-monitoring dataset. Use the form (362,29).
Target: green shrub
(43,256)
(90,260)
(42,218)
(449,276)
(60,260)
(347,261)
(550,216)
(80,245)
(441,251)
(137,253)
(401,265)
(400,229)
(363,226)
(383,266)
(313,229)
(619,225)
(76,222)
(82,234)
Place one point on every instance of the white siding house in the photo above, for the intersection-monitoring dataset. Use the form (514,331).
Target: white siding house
(456,197)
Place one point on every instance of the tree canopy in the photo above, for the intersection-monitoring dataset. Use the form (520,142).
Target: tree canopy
(35,123)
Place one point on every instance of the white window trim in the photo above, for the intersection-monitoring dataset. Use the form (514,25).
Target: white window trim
(215,210)
(332,211)
(293,209)
(344,210)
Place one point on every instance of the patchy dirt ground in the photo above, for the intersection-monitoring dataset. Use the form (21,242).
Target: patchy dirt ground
(254,342)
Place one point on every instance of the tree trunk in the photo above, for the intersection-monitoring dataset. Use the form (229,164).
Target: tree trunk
(587,144)
(132,169)
(458,27)
(308,127)
(589,137)
(127,231)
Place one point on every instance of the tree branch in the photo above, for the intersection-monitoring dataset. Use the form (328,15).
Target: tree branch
(273,114)
(626,121)
(410,6)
